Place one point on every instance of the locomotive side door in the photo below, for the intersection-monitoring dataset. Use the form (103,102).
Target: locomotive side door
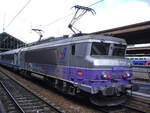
(78,62)
(72,62)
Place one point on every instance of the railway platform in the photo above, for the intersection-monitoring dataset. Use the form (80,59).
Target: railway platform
(144,89)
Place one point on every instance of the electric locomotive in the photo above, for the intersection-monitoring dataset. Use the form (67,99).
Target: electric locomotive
(94,65)
(91,65)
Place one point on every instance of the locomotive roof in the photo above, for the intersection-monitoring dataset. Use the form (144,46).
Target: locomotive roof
(79,39)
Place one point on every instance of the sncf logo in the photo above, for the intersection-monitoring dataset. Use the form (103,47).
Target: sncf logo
(62,53)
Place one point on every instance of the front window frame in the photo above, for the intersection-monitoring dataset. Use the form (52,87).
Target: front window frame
(94,49)
(121,53)
(110,49)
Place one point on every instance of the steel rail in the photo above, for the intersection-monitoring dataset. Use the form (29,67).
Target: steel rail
(133,108)
(11,96)
(113,110)
(142,101)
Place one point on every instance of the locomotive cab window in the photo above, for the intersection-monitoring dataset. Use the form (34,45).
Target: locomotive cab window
(100,48)
(119,50)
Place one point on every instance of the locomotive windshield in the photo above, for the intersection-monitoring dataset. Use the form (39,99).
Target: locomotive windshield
(104,48)
(119,50)
(100,48)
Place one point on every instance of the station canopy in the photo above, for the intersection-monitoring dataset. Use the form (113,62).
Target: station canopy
(8,42)
(134,34)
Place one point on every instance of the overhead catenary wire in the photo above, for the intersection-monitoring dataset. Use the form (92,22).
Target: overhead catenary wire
(57,20)
(17,14)
(61,18)
(95,3)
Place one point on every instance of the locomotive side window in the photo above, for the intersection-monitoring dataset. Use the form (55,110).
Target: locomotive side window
(73,50)
(100,48)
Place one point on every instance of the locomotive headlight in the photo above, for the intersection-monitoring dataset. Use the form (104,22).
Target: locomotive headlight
(106,76)
(128,74)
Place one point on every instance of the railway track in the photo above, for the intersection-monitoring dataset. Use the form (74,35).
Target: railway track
(145,86)
(139,102)
(22,100)
(141,99)
(123,108)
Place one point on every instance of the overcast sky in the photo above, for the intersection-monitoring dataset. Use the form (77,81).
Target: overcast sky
(42,14)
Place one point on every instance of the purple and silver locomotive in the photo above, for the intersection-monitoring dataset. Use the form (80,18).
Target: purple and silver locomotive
(94,65)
